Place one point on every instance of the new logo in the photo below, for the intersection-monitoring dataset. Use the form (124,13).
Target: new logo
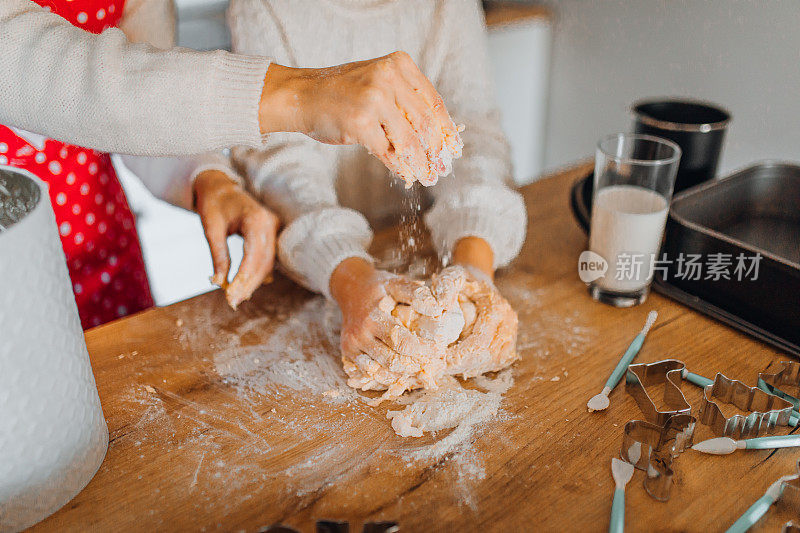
(591,266)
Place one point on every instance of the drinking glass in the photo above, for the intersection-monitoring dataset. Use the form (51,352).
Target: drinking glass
(634,178)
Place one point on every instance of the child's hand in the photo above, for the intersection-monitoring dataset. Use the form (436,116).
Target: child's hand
(376,350)
(488,341)
(225,208)
(476,253)
(385,104)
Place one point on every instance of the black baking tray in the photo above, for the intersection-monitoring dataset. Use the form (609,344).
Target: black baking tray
(755,212)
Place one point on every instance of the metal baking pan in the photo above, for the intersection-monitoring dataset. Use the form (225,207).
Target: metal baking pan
(752,212)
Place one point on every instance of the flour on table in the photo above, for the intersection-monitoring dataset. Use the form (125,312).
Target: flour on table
(434,410)
(301,354)
(282,369)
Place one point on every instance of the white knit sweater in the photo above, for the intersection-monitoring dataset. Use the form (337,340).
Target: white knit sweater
(300,178)
(106,93)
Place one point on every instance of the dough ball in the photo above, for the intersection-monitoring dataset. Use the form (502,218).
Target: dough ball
(386,304)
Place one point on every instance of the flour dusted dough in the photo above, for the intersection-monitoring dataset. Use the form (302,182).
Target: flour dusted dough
(467,327)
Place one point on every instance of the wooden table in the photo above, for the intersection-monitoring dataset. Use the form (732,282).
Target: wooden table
(191,450)
(499,13)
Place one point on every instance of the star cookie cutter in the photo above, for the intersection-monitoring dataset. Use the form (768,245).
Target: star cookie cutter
(766,410)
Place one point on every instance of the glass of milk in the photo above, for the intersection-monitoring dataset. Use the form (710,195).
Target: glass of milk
(634,177)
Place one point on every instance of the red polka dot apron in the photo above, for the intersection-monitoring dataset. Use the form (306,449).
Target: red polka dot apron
(94,220)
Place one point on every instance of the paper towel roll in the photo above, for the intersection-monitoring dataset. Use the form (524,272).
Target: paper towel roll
(53,436)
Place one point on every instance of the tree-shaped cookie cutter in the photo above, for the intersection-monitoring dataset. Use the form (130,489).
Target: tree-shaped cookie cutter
(653,444)
(766,410)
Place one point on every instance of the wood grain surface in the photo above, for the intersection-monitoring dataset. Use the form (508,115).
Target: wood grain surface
(509,13)
(194,450)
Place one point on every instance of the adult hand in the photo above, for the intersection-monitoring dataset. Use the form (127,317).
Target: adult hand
(385,104)
(225,208)
(378,352)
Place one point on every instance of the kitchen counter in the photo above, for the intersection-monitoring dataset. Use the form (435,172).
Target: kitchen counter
(203,438)
(499,14)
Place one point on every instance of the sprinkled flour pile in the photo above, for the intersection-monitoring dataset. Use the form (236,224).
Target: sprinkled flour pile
(302,355)
(451,406)
(279,368)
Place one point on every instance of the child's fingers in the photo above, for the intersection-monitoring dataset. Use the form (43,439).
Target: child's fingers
(258,230)
(216,230)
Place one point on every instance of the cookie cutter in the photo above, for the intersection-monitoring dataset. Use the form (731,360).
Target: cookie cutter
(653,448)
(668,373)
(653,444)
(766,410)
(777,382)
(785,493)
(336,526)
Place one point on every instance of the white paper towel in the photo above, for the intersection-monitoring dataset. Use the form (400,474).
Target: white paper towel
(53,436)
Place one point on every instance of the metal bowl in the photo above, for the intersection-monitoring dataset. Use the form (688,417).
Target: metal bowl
(19,195)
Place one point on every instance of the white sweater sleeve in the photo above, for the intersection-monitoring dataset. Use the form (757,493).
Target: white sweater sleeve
(168,178)
(106,93)
(476,200)
(294,175)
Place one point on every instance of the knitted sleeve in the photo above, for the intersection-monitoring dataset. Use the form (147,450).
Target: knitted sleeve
(476,200)
(168,178)
(106,93)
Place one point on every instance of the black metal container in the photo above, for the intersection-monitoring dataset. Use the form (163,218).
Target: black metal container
(697,127)
(753,211)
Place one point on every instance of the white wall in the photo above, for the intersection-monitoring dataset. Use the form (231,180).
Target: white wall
(520,63)
(744,55)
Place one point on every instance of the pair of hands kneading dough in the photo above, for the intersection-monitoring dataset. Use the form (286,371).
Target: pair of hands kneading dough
(409,334)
